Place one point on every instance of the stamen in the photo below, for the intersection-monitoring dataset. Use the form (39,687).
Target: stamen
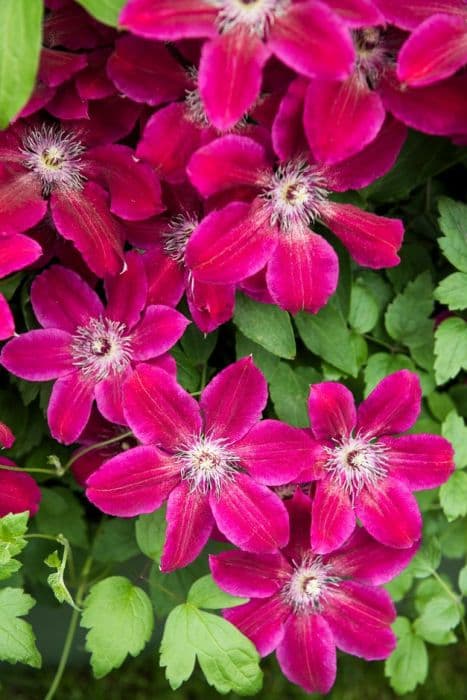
(257,16)
(207,463)
(176,237)
(307,588)
(101,348)
(373,55)
(355,463)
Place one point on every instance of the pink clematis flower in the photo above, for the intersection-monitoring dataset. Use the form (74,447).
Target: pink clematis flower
(367,473)
(304,605)
(90,349)
(18,491)
(212,461)
(236,241)
(307,36)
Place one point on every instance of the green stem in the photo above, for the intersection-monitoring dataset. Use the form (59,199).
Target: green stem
(383,343)
(96,446)
(454,598)
(37,536)
(36,470)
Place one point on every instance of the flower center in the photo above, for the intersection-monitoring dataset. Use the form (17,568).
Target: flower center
(175,238)
(356,463)
(206,463)
(55,155)
(373,55)
(295,194)
(257,16)
(101,348)
(307,587)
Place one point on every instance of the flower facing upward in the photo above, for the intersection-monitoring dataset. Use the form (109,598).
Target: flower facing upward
(304,605)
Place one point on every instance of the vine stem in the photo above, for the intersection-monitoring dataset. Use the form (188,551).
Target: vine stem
(96,446)
(37,470)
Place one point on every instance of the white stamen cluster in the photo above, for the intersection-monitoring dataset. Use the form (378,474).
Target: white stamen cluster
(308,585)
(101,348)
(55,155)
(257,15)
(356,462)
(207,463)
(372,55)
(177,234)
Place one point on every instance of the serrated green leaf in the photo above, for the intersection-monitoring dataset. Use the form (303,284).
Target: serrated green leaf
(408,664)
(176,653)
(12,528)
(452,291)
(454,429)
(266,325)
(453,218)
(289,390)
(463,580)
(440,616)
(120,621)
(106,11)
(364,310)
(450,349)
(9,568)
(150,533)
(17,640)
(59,589)
(205,593)
(381,364)
(453,496)
(427,559)
(53,560)
(169,590)
(115,541)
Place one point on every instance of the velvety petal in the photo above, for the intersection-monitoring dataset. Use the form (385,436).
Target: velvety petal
(189,524)
(357,116)
(262,621)
(158,410)
(240,55)
(165,277)
(146,72)
(410,14)
(39,355)
(251,516)
(333,519)
(232,402)
(41,96)
(303,271)
(83,217)
(357,13)
(307,653)
(17,251)
(210,304)
(227,162)
(420,461)
(135,481)
(109,397)
(360,618)
(390,513)
(18,492)
(249,575)
(69,407)
(288,136)
(109,120)
(7,438)
(67,103)
(167,20)
(62,299)
(392,407)
(21,202)
(127,293)
(435,50)
(231,244)
(157,332)
(312,40)
(58,66)
(373,241)
(7,322)
(366,560)
(275,453)
(299,510)
(332,411)
(92,83)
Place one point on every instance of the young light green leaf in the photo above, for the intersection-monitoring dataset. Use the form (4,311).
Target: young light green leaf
(463,580)
(364,309)
(440,616)
(115,541)
(399,586)
(20,44)
(169,590)
(205,593)
(17,640)
(60,590)
(289,393)
(450,349)
(427,559)
(150,533)
(106,11)
(453,218)
(453,496)
(452,291)
(120,621)
(454,429)
(408,664)
(266,325)
(176,653)
(9,568)
(12,528)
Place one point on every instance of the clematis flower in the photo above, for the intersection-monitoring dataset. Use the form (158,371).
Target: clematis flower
(304,605)
(90,349)
(18,491)
(236,241)
(367,473)
(307,36)
(7,438)
(212,461)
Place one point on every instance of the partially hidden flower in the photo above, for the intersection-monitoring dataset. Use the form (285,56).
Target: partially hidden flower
(18,490)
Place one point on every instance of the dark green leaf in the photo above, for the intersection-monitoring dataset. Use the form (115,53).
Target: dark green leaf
(266,325)
(115,541)
(150,533)
(450,349)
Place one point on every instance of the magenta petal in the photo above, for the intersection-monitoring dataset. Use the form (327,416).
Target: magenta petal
(366,560)
(420,461)
(307,653)
(390,513)
(249,575)
(332,411)
(109,397)
(333,519)
(274,453)
(299,510)
(21,202)
(288,136)
(58,66)
(168,20)
(303,271)
(360,618)
(165,277)
(157,332)
(210,304)
(231,244)
(410,14)
(435,50)
(7,322)
(357,13)
(189,524)
(234,400)
(251,516)
(18,492)
(68,103)
(127,293)
(225,163)
(69,407)
(135,481)
(357,116)
(39,355)
(62,299)
(371,240)
(158,410)
(262,621)
(240,55)
(17,251)
(312,40)
(392,407)
(83,217)
(7,438)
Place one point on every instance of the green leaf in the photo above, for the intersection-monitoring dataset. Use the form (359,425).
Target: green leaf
(452,291)
(440,616)
(12,528)
(188,375)
(198,346)
(364,309)
(20,45)
(399,586)
(205,593)
(150,533)
(115,541)
(453,539)
(266,361)
(454,429)
(289,393)
(453,218)
(450,349)
(327,335)
(453,496)
(266,325)
(169,590)
(17,640)
(59,589)
(61,512)
(120,621)
(176,652)
(427,559)
(381,364)
(463,580)
(408,664)
(106,11)
(440,405)
(9,568)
